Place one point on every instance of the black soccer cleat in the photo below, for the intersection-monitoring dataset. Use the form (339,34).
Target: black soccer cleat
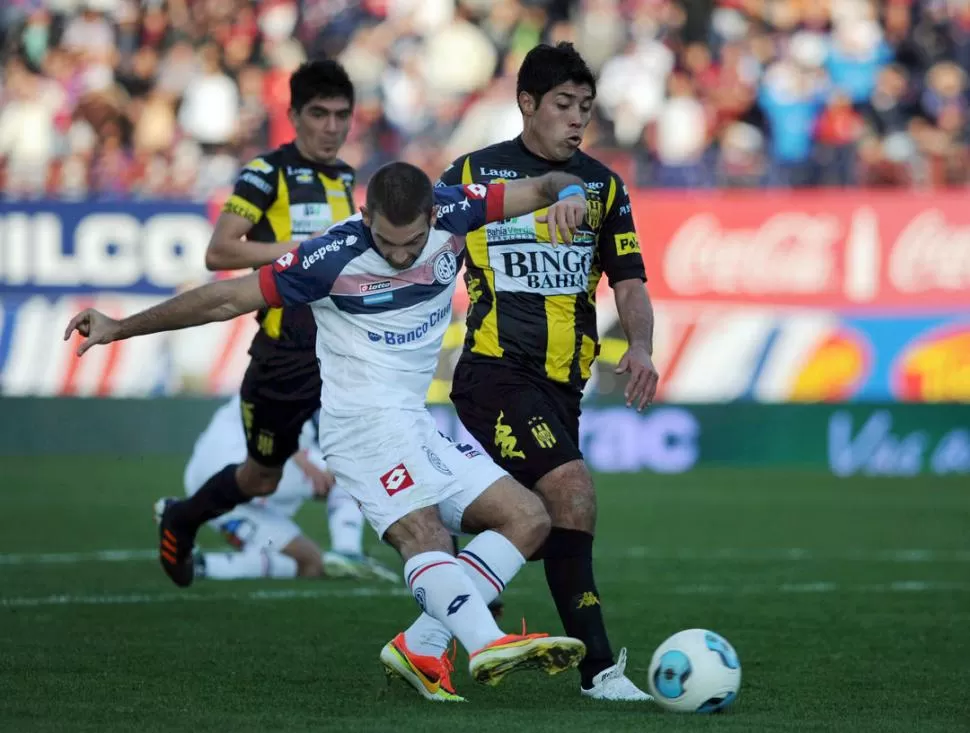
(175,544)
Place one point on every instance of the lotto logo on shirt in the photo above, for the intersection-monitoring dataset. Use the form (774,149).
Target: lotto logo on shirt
(396,480)
(476,190)
(285,261)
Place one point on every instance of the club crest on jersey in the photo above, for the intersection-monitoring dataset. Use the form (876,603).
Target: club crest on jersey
(594,213)
(445,267)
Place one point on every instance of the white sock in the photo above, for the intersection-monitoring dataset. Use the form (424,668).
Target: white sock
(249,564)
(490,561)
(447,594)
(346,523)
(427,636)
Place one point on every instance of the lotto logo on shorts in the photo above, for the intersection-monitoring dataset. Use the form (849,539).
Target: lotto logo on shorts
(397,479)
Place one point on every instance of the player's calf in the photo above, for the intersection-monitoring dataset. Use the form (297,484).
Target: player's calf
(568,494)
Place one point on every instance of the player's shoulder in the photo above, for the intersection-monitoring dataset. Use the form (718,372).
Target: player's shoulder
(592,170)
(342,170)
(500,160)
(482,165)
(337,246)
(266,163)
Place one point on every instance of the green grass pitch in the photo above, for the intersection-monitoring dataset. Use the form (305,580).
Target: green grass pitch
(847,600)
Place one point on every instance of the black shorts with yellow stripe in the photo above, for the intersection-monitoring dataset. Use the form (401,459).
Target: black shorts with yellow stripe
(529,426)
(275,404)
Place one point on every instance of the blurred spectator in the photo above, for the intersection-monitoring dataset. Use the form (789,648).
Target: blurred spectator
(157,98)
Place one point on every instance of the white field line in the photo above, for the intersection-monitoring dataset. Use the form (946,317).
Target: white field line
(135,599)
(789,554)
(907,586)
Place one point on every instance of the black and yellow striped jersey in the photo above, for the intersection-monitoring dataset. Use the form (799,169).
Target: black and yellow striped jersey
(531,304)
(287,198)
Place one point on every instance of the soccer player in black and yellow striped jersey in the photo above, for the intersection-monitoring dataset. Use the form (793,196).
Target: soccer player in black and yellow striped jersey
(279,199)
(532,336)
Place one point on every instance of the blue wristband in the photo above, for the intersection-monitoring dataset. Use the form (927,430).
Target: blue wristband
(573,189)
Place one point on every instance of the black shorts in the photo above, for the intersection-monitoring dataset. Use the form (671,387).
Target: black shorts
(527,424)
(274,408)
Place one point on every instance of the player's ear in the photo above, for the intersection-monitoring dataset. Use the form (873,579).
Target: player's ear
(433,218)
(527,104)
(365,215)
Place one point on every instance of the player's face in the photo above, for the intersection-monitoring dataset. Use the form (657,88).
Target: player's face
(321,127)
(399,245)
(561,119)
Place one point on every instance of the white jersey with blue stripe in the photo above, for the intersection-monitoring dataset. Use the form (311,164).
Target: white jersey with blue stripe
(379,329)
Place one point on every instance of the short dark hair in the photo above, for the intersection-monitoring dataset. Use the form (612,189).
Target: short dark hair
(545,67)
(400,192)
(323,78)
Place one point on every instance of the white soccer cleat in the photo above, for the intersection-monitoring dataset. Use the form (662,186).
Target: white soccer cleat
(613,684)
(357,567)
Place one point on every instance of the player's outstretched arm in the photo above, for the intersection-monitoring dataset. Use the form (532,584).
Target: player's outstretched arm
(230,250)
(219,301)
(563,193)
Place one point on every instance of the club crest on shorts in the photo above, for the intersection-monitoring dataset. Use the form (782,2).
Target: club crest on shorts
(445,267)
(436,461)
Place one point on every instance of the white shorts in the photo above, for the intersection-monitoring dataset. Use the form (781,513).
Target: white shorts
(261,524)
(395,463)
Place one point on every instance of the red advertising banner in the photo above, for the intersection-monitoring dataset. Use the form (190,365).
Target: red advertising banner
(844,250)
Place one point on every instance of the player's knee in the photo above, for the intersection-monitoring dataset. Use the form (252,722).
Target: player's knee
(570,496)
(417,532)
(256,480)
(532,524)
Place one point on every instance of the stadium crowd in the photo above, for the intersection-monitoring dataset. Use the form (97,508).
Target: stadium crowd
(164,98)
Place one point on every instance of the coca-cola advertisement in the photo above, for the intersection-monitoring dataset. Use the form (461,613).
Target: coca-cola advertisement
(849,250)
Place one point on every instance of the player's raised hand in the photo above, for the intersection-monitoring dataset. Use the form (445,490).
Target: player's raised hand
(96,328)
(564,218)
(322,481)
(642,387)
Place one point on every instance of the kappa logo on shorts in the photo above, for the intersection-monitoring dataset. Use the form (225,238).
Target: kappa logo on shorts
(396,480)
(504,439)
(435,461)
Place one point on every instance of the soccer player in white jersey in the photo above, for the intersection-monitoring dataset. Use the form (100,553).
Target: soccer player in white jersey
(380,286)
(268,541)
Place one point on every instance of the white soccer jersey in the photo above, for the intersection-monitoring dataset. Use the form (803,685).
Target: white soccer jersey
(379,330)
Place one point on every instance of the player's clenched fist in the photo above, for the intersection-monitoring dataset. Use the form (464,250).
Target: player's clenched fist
(564,218)
(95,326)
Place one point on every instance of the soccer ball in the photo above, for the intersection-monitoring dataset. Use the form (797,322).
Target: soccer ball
(695,671)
